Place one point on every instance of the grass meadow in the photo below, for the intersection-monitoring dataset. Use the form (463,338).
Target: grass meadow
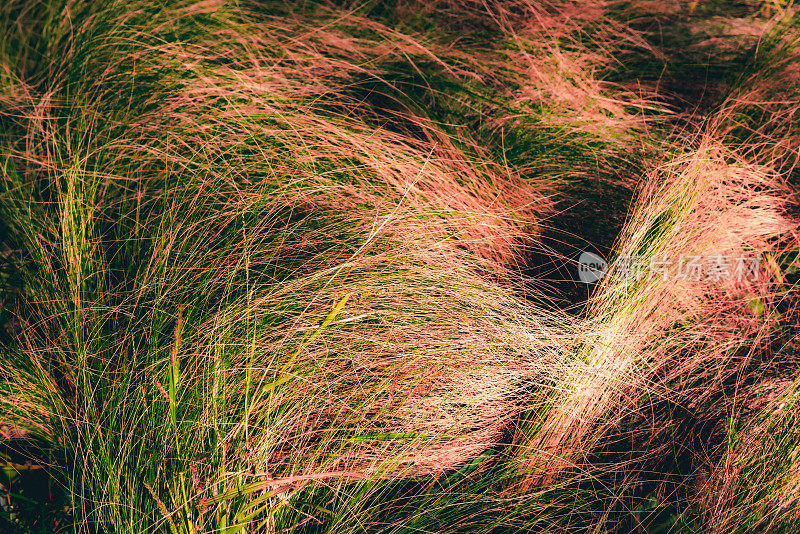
(316,266)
